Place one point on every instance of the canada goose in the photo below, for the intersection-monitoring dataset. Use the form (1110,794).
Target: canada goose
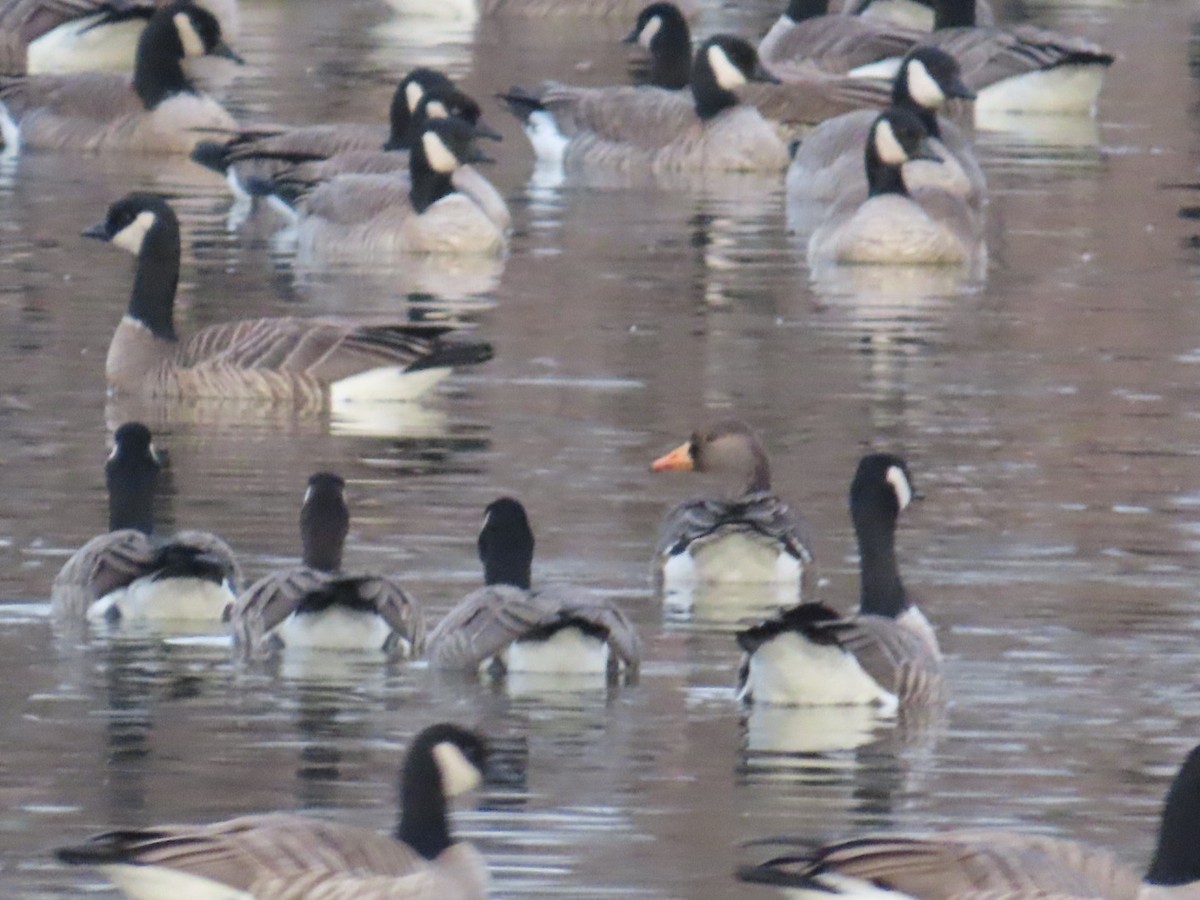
(630,128)
(338,148)
(886,654)
(807,39)
(160,112)
(282,359)
(895,226)
(506,626)
(997,863)
(829,161)
(441,205)
(91,35)
(813,97)
(749,535)
(541,9)
(317,604)
(130,573)
(280,855)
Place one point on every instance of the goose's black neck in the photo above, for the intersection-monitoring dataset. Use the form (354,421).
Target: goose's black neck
(671,56)
(428,186)
(324,523)
(953,14)
(710,98)
(506,545)
(799,10)
(760,475)
(423,824)
(400,137)
(882,177)
(158,65)
(904,99)
(131,486)
(1177,858)
(882,591)
(152,301)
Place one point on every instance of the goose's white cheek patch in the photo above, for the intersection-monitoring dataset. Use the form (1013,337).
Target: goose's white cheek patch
(440,157)
(728,75)
(133,235)
(193,44)
(886,145)
(649,31)
(923,87)
(899,482)
(412,95)
(459,774)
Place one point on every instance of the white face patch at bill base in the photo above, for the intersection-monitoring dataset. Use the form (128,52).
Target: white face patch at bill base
(651,28)
(728,75)
(193,44)
(886,145)
(133,235)
(923,87)
(899,482)
(441,159)
(413,92)
(459,774)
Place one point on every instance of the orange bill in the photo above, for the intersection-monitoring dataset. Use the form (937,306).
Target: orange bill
(678,460)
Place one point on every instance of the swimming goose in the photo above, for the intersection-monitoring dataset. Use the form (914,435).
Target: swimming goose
(441,205)
(893,225)
(632,128)
(291,359)
(663,31)
(996,863)
(541,9)
(808,39)
(886,654)
(91,35)
(506,626)
(318,605)
(338,148)
(159,112)
(130,573)
(829,161)
(749,535)
(280,856)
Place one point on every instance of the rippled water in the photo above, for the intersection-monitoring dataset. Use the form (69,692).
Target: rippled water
(1049,414)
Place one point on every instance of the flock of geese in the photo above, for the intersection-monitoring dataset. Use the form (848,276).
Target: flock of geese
(897,185)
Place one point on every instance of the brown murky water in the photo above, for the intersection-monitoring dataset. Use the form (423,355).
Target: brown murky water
(1049,414)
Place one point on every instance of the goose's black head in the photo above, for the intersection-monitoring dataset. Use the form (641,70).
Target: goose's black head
(324,521)
(176,32)
(443,146)
(882,487)
(415,87)
(506,544)
(927,78)
(444,761)
(897,136)
(799,10)
(663,31)
(722,65)
(131,475)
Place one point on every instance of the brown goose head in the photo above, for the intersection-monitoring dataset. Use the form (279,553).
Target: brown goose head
(728,448)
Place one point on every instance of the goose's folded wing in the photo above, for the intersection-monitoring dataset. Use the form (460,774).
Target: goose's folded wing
(989,55)
(355,198)
(272,599)
(326,349)
(816,99)
(250,850)
(836,44)
(307,142)
(102,565)
(98,96)
(638,116)
(562,603)
(397,607)
(33,18)
(484,623)
(215,549)
(898,658)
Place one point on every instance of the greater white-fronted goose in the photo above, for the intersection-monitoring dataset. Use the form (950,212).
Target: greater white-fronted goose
(998,864)
(896,225)
(161,111)
(130,573)
(92,35)
(282,856)
(652,129)
(748,535)
(886,654)
(829,165)
(319,605)
(506,626)
(298,360)
(441,205)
